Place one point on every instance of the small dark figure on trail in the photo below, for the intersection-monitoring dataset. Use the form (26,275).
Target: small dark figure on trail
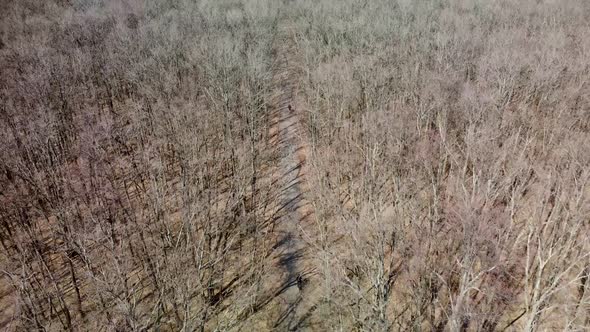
(300,282)
(290,108)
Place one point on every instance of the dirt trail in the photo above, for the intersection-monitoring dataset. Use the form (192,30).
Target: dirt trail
(287,137)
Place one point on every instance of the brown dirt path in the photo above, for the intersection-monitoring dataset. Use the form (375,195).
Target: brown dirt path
(287,135)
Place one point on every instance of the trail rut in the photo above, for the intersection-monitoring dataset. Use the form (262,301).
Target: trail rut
(288,139)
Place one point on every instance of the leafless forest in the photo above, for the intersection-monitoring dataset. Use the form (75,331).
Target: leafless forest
(302,165)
